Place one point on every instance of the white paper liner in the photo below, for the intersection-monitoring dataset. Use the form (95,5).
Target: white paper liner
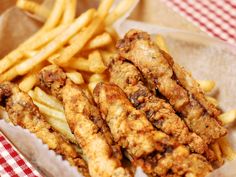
(207,58)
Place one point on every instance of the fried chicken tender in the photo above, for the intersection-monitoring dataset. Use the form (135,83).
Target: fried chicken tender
(102,154)
(173,83)
(154,151)
(157,110)
(23,112)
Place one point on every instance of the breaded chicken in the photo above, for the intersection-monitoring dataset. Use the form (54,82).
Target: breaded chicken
(173,83)
(157,110)
(22,111)
(102,154)
(153,150)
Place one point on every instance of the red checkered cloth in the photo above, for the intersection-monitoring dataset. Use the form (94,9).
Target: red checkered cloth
(12,164)
(216,17)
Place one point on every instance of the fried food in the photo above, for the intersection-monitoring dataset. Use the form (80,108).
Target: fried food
(154,151)
(174,83)
(157,110)
(91,132)
(22,111)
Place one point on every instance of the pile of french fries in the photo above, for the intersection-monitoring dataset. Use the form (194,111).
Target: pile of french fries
(82,46)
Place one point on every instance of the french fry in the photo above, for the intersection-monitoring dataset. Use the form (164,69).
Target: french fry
(80,63)
(14,56)
(96,63)
(61,127)
(161,43)
(228,117)
(8,75)
(55,15)
(48,111)
(75,76)
(216,148)
(112,32)
(226,148)
(212,100)
(97,78)
(47,100)
(70,12)
(99,41)
(28,82)
(84,36)
(104,7)
(119,11)
(107,56)
(34,8)
(55,44)
(30,53)
(206,85)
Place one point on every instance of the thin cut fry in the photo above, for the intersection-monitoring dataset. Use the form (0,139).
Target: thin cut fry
(96,63)
(48,100)
(216,148)
(206,85)
(33,7)
(97,78)
(54,45)
(75,76)
(28,82)
(80,63)
(55,15)
(70,12)
(212,100)
(8,75)
(228,117)
(99,41)
(161,43)
(104,7)
(85,35)
(226,148)
(119,11)
(112,32)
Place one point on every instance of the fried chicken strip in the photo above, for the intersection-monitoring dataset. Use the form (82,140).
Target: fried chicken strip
(157,110)
(102,154)
(173,83)
(23,112)
(154,151)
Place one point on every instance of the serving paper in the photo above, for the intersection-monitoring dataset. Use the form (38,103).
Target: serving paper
(205,57)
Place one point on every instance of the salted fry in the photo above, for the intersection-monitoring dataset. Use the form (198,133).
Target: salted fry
(70,11)
(34,8)
(206,85)
(47,100)
(97,65)
(55,44)
(212,100)
(8,75)
(84,36)
(112,32)
(226,148)
(28,82)
(216,148)
(228,117)
(75,76)
(107,56)
(104,7)
(97,78)
(55,15)
(119,11)
(61,127)
(99,41)
(161,43)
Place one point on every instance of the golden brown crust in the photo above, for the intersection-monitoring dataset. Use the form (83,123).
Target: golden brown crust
(23,112)
(153,150)
(157,110)
(159,74)
(93,135)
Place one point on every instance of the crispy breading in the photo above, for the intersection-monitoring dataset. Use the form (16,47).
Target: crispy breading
(23,112)
(154,151)
(102,154)
(157,110)
(160,74)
